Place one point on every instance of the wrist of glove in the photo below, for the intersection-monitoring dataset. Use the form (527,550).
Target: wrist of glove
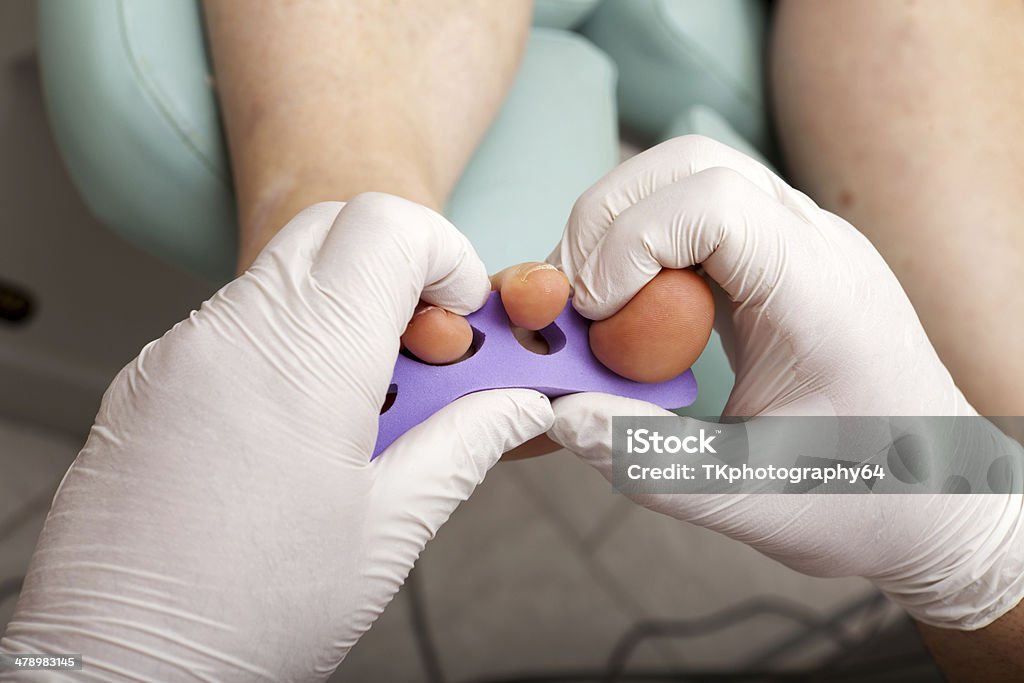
(814,323)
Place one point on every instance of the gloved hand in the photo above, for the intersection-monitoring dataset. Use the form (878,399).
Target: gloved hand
(814,323)
(223,521)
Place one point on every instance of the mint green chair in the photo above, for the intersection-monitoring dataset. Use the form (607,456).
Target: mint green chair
(676,54)
(129,95)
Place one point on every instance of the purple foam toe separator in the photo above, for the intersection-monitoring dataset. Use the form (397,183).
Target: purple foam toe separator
(500,362)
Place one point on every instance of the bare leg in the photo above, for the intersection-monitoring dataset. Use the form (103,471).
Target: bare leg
(323,100)
(906,119)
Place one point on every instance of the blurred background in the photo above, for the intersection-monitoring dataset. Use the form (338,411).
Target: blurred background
(544,575)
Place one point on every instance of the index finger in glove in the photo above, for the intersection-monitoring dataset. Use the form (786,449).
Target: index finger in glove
(382,255)
(708,219)
(583,424)
(648,172)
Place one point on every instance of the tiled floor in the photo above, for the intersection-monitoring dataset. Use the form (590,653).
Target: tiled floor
(31,466)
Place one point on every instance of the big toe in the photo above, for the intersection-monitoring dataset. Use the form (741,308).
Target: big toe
(660,332)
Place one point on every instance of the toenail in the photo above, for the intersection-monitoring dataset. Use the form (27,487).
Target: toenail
(534,269)
(424,310)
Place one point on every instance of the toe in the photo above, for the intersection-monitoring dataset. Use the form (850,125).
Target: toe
(660,332)
(534,294)
(437,336)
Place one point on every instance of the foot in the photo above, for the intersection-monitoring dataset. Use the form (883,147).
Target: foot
(533,294)
(656,336)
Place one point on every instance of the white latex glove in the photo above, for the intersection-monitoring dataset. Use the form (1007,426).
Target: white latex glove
(223,521)
(814,323)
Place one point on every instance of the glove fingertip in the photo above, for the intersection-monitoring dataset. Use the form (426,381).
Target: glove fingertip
(530,414)
(586,304)
(466,288)
(583,421)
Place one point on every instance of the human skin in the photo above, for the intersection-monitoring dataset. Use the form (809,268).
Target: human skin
(989,655)
(905,118)
(324,100)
